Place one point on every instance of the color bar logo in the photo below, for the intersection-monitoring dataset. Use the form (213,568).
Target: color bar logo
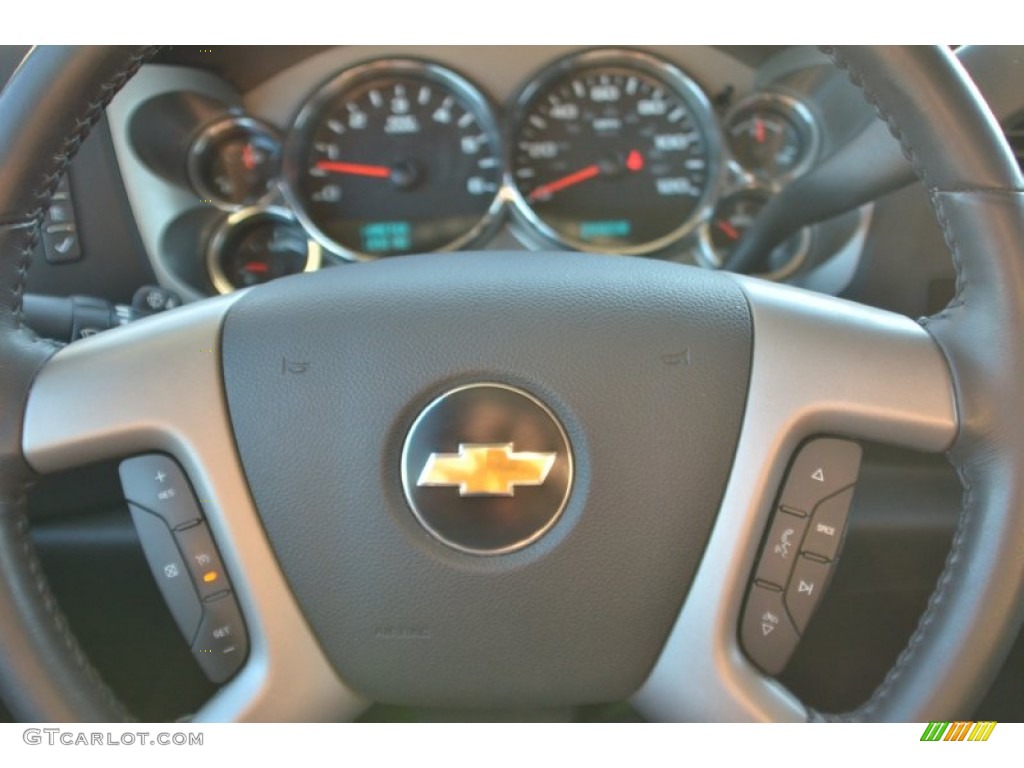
(959,731)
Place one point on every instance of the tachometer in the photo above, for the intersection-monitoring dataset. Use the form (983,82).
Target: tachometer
(393,157)
(613,151)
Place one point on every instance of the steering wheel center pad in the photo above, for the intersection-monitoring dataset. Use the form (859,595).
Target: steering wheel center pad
(645,364)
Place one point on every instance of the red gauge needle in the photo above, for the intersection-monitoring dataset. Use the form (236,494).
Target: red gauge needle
(256,266)
(248,157)
(759,130)
(355,169)
(728,230)
(566,181)
(634,163)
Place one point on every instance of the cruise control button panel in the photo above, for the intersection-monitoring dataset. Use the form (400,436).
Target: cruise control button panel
(800,550)
(185,563)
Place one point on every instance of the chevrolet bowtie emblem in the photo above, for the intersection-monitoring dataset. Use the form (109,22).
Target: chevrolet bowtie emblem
(491,469)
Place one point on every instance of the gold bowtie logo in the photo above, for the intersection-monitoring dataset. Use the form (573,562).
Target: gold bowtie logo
(486,470)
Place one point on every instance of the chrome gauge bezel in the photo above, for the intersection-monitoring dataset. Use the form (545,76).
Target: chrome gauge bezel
(207,137)
(229,224)
(706,256)
(532,230)
(296,147)
(792,108)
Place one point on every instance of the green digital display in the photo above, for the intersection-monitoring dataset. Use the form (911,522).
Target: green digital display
(608,229)
(386,237)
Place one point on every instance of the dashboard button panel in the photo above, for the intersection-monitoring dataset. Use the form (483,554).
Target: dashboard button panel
(60,229)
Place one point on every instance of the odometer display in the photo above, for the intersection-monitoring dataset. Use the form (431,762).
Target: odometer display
(395,157)
(613,151)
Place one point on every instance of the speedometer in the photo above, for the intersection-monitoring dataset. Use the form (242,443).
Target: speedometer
(395,156)
(613,151)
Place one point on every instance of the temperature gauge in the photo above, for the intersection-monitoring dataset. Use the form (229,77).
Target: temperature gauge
(256,245)
(772,137)
(234,162)
(733,216)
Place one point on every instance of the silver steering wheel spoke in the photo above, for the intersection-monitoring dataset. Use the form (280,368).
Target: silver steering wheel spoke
(821,366)
(157,385)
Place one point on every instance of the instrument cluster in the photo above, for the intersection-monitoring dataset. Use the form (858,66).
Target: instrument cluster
(609,150)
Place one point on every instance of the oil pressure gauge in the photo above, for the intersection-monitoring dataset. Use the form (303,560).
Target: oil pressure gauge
(771,136)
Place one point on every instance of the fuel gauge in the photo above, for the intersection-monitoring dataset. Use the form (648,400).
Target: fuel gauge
(772,136)
(234,162)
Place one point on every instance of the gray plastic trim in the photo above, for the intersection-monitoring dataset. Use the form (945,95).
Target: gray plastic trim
(155,201)
(820,366)
(157,385)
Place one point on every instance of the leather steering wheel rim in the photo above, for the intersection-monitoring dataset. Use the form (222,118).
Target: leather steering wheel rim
(959,153)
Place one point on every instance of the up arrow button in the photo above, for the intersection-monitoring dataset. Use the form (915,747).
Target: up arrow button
(822,467)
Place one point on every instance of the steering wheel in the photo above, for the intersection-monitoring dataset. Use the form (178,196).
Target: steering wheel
(681,395)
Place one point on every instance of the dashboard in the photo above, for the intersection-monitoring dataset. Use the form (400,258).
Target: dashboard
(360,153)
